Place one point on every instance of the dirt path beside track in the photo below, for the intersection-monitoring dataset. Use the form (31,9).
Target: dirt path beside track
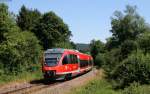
(67,86)
(58,87)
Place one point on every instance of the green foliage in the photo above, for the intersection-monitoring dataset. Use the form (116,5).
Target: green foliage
(136,88)
(144,42)
(135,68)
(100,59)
(111,43)
(66,45)
(127,51)
(96,86)
(25,76)
(6,21)
(112,58)
(96,46)
(19,52)
(73,45)
(127,47)
(127,26)
(51,29)
(27,19)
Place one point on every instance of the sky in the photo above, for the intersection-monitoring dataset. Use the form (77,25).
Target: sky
(87,19)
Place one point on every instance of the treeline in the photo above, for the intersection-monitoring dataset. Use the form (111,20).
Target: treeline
(125,56)
(23,37)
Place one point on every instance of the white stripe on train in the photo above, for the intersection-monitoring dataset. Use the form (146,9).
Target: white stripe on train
(76,71)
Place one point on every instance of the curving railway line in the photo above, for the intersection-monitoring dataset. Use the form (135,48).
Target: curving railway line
(28,88)
(55,87)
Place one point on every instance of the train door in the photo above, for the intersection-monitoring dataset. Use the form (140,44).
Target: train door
(73,61)
(70,62)
(78,59)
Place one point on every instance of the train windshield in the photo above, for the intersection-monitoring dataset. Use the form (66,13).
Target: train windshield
(51,59)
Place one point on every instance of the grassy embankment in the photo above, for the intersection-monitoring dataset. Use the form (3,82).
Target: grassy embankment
(97,86)
(23,77)
(101,86)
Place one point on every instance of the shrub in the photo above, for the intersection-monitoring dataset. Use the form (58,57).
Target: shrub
(111,59)
(144,42)
(100,59)
(19,52)
(136,88)
(96,46)
(135,68)
(95,86)
(127,47)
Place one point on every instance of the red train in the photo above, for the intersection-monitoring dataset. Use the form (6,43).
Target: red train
(65,63)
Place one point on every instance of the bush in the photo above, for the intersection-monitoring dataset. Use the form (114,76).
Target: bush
(127,47)
(95,86)
(100,59)
(136,68)
(144,42)
(111,60)
(96,47)
(19,52)
(136,88)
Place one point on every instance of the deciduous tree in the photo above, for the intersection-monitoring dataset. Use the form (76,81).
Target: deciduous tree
(51,29)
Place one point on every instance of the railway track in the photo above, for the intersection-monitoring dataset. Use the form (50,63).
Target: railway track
(30,89)
(35,86)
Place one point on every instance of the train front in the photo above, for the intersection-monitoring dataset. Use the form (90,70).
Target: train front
(51,63)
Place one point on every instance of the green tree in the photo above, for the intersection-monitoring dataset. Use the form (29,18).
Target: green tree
(124,63)
(96,46)
(127,26)
(100,59)
(27,19)
(127,47)
(111,43)
(19,52)
(66,45)
(73,45)
(144,42)
(111,60)
(136,68)
(51,29)
(6,22)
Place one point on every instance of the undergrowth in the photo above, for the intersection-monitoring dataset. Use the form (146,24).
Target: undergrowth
(25,76)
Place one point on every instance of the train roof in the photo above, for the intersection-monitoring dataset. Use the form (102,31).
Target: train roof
(61,50)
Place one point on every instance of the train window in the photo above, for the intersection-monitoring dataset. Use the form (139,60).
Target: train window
(65,60)
(73,59)
(83,63)
(51,61)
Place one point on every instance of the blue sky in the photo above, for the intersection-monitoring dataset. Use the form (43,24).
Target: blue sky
(87,19)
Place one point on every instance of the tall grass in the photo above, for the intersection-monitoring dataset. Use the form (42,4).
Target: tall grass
(96,86)
(25,76)
(136,88)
